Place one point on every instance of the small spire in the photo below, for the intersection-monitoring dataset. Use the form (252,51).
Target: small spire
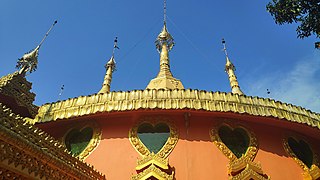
(230,70)
(164,43)
(110,68)
(29,61)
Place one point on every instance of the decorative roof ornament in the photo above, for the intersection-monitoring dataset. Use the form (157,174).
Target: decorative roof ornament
(110,68)
(164,37)
(164,44)
(230,70)
(29,61)
(112,63)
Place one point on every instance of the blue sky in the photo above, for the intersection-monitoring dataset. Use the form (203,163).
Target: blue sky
(266,55)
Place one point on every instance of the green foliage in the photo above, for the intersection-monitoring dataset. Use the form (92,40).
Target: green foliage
(304,12)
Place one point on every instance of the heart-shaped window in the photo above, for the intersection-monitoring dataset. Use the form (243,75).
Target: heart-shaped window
(302,151)
(153,137)
(77,140)
(237,140)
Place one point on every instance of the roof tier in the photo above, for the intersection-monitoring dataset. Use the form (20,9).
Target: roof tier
(175,100)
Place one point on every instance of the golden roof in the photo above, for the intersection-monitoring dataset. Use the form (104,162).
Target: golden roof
(35,154)
(175,100)
(15,85)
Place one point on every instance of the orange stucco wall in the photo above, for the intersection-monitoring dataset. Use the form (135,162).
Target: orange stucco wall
(195,156)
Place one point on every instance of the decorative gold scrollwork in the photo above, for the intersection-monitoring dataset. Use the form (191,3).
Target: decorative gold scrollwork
(153,164)
(94,141)
(310,173)
(239,167)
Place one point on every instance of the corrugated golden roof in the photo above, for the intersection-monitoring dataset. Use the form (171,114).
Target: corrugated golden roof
(175,99)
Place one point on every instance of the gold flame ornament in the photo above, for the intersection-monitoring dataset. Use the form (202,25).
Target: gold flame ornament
(29,61)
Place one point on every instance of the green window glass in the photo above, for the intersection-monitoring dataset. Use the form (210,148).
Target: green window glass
(237,140)
(154,137)
(76,141)
(302,150)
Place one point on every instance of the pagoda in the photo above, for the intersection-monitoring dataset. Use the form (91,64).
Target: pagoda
(165,131)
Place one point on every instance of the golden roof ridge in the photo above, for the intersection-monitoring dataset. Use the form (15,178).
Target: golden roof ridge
(176,99)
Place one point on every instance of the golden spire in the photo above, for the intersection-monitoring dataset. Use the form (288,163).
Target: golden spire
(110,66)
(230,70)
(164,43)
(29,61)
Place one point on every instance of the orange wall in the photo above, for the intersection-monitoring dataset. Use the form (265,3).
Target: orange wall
(195,156)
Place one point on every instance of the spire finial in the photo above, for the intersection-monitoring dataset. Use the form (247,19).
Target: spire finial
(47,34)
(164,44)
(29,61)
(230,70)
(115,45)
(110,68)
(224,47)
(164,11)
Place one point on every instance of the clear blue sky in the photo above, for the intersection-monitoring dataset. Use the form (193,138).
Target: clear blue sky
(266,55)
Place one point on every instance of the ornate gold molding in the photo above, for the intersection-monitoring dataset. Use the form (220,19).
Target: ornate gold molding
(243,167)
(154,164)
(93,143)
(249,173)
(142,149)
(153,171)
(312,173)
(252,149)
(32,152)
(15,85)
(176,99)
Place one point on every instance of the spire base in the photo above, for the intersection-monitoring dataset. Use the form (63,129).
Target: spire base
(236,90)
(165,83)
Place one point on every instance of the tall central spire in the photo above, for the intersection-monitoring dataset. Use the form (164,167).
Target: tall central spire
(164,44)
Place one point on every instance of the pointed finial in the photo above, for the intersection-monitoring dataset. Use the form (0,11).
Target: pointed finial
(111,63)
(110,68)
(164,44)
(29,61)
(224,47)
(115,45)
(164,11)
(164,36)
(229,64)
(230,70)
(47,34)
(61,91)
